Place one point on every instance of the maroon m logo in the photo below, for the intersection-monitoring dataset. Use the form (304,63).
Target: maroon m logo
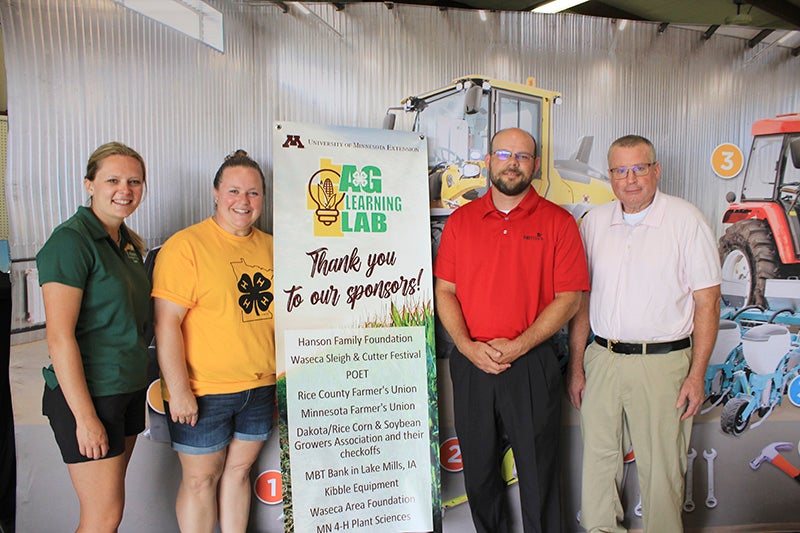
(293,140)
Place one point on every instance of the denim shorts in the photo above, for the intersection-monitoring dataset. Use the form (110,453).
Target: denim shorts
(246,415)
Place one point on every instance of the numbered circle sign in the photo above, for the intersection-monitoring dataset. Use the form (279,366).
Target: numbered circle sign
(794,391)
(268,487)
(450,455)
(727,160)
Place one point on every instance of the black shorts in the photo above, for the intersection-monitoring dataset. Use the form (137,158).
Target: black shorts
(121,414)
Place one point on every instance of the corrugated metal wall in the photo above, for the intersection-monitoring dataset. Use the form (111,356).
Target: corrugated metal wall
(82,72)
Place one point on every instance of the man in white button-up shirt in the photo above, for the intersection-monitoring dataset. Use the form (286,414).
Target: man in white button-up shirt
(654,310)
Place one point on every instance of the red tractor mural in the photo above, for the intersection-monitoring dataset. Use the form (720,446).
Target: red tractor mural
(763,241)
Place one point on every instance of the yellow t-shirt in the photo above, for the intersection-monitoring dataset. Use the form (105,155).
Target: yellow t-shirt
(226,283)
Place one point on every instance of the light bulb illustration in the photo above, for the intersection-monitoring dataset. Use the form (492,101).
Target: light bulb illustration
(322,192)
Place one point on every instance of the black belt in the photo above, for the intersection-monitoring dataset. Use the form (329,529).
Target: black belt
(631,348)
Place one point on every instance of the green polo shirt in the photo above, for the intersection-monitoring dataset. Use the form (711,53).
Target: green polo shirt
(115,308)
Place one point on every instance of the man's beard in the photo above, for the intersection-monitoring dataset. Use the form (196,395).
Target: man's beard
(507,189)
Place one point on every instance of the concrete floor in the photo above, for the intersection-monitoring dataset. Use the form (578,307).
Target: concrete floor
(27,361)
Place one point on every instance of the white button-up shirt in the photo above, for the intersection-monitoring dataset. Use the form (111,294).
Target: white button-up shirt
(643,276)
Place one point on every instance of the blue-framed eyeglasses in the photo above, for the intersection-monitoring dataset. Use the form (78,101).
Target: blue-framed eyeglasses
(504,155)
(642,169)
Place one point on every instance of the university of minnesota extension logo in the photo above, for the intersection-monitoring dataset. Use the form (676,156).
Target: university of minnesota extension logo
(348,199)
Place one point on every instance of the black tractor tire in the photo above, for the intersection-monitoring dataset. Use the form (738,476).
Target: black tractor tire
(435,185)
(715,391)
(731,419)
(444,343)
(752,241)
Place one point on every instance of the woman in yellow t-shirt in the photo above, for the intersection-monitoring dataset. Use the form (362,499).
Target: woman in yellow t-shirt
(213,294)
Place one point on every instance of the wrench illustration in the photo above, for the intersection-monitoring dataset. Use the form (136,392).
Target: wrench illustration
(638,509)
(688,502)
(711,501)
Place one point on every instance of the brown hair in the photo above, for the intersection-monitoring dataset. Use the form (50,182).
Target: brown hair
(239,158)
(93,165)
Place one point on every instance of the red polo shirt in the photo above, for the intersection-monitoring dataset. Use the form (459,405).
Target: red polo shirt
(508,267)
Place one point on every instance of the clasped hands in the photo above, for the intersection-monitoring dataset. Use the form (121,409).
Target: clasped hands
(494,356)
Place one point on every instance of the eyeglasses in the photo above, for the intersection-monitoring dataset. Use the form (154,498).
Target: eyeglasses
(522,157)
(642,169)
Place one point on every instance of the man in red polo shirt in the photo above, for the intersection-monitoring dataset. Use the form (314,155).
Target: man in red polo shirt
(510,270)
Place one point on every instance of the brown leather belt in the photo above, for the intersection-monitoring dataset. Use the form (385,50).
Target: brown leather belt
(632,348)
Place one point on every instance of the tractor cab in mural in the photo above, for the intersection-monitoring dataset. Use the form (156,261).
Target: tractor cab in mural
(459,121)
(760,251)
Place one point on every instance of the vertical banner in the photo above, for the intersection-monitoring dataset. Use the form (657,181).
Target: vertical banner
(354,330)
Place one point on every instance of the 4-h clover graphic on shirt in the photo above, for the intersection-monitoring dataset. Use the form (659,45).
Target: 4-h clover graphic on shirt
(256,296)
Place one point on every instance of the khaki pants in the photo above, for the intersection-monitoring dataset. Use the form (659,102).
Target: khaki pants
(642,389)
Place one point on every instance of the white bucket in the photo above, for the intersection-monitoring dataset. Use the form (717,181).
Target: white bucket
(728,337)
(764,346)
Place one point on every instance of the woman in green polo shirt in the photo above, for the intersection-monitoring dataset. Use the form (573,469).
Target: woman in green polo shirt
(96,299)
